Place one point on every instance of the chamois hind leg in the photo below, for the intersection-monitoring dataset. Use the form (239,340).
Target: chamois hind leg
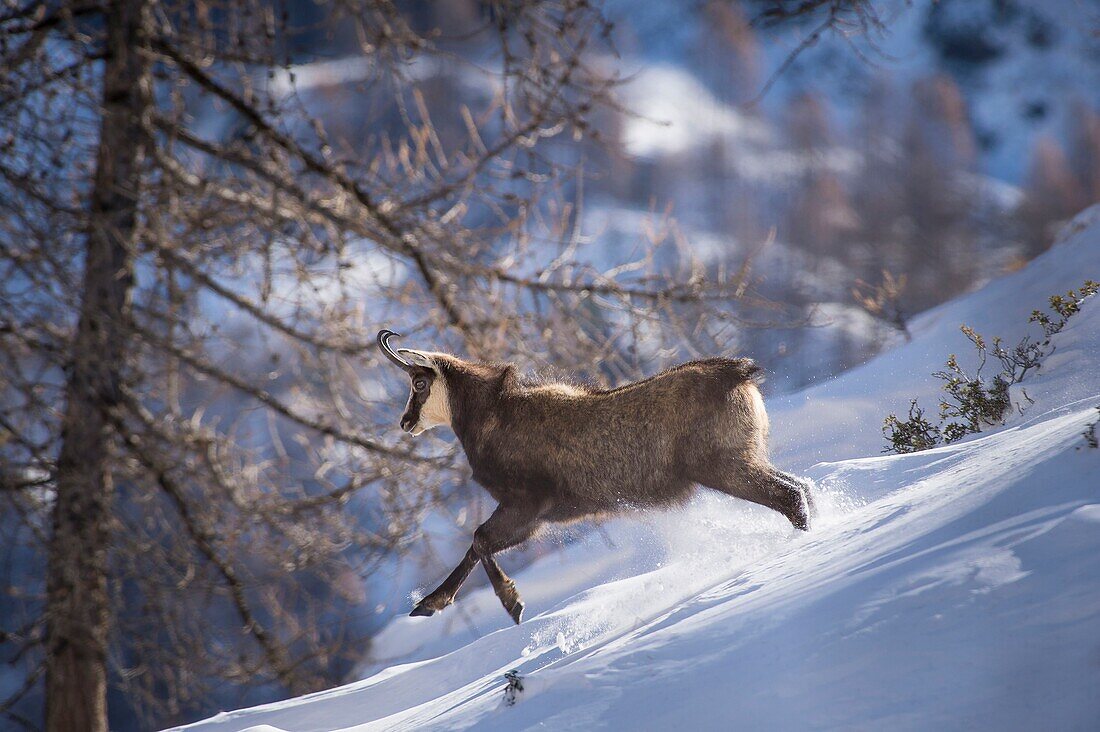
(506,528)
(807,507)
(767,485)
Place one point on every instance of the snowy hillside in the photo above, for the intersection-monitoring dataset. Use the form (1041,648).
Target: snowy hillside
(842,418)
(957,588)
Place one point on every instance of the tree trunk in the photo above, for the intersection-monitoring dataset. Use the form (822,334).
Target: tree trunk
(77,612)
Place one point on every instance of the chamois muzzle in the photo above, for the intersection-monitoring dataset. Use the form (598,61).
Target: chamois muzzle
(384,337)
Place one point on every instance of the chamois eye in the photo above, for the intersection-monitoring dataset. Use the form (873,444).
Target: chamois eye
(420,385)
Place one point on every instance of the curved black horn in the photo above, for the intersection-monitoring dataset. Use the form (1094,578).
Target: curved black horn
(384,336)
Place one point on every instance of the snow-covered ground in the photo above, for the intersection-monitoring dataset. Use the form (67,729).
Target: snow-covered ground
(957,588)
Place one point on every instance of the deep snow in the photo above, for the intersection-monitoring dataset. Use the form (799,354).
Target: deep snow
(956,588)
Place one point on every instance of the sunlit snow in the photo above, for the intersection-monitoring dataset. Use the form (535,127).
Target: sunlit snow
(956,588)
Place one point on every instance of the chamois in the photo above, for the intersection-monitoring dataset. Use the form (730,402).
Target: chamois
(557,453)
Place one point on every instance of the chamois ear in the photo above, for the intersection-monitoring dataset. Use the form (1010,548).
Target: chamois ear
(416,357)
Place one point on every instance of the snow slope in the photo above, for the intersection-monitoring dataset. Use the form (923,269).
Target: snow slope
(842,418)
(957,588)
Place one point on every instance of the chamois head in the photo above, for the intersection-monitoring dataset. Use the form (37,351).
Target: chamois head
(429,403)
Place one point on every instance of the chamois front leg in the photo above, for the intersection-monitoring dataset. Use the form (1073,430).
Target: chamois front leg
(507,527)
(444,595)
(510,524)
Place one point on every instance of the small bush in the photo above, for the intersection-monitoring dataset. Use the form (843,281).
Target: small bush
(910,435)
(1090,432)
(971,402)
(1063,307)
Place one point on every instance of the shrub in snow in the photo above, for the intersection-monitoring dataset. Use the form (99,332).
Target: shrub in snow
(910,435)
(971,402)
(1090,433)
(1063,307)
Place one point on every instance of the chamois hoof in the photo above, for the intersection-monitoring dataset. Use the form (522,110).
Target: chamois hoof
(516,611)
(421,610)
(802,510)
(509,598)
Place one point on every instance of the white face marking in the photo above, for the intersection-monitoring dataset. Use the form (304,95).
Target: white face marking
(436,411)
